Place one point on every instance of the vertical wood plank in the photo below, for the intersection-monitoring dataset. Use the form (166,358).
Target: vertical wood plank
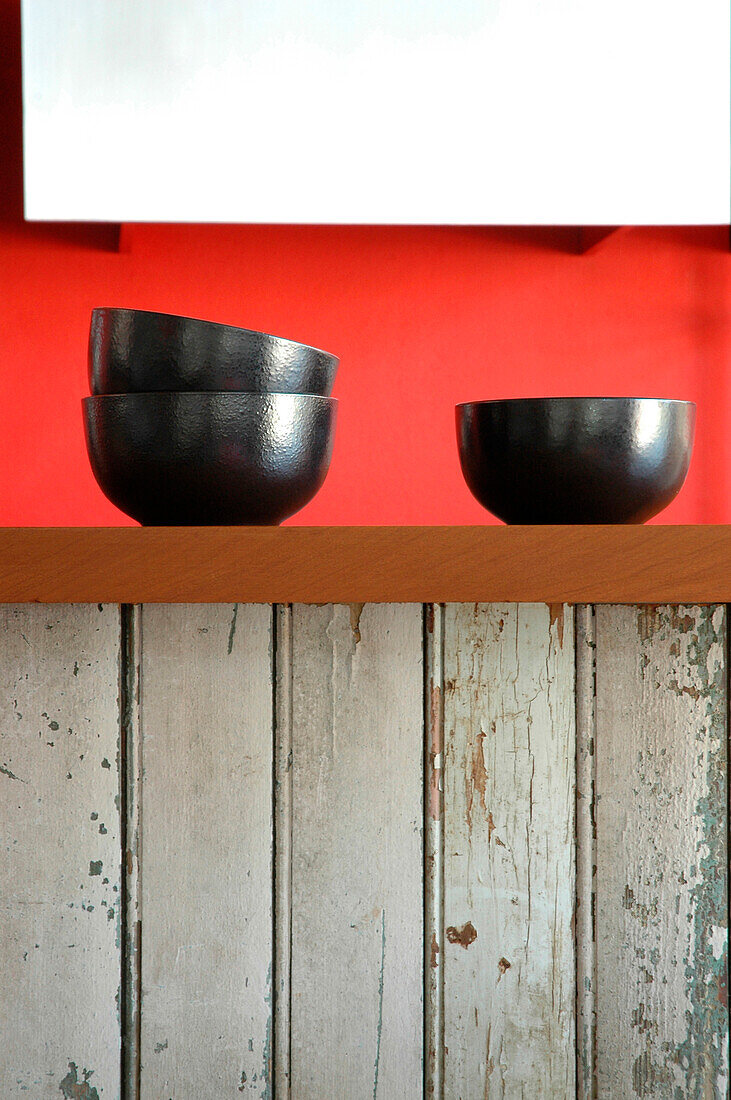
(357,852)
(206,826)
(60,837)
(283,748)
(585,925)
(509,851)
(662,1027)
(434,853)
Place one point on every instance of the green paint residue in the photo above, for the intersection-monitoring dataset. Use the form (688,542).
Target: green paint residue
(95,867)
(266,1073)
(232,629)
(380,1003)
(10,775)
(700,1058)
(73,1089)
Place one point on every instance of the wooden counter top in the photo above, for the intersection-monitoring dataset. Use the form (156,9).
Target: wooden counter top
(653,564)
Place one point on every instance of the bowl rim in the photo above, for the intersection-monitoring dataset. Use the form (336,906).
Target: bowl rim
(207,395)
(98,310)
(574,400)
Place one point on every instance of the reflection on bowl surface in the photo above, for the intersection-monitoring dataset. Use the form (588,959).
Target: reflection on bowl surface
(575,459)
(209,458)
(134,351)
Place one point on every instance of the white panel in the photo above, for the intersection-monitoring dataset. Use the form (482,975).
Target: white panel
(206,828)
(60,843)
(509,731)
(661,883)
(356,1013)
(574,112)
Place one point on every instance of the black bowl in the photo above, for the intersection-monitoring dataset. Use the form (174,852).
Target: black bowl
(209,458)
(133,351)
(575,459)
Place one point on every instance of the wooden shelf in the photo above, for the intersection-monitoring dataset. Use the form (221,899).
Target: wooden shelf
(365,564)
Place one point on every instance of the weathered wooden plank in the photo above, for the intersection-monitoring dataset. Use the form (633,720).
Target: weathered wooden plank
(585,925)
(434,853)
(283,747)
(357,852)
(662,1026)
(206,821)
(509,851)
(60,835)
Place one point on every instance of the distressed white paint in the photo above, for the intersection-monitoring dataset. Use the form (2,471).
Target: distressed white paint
(586,854)
(283,747)
(206,826)
(588,111)
(60,862)
(661,837)
(357,726)
(434,853)
(509,729)
(349,714)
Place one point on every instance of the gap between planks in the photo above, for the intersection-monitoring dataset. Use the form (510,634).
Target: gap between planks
(585,920)
(130,780)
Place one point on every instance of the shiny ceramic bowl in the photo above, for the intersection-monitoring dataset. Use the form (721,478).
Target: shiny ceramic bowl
(133,351)
(575,459)
(209,458)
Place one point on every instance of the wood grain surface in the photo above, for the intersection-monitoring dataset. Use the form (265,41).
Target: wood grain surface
(633,564)
(661,876)
(357,908)
(349,836)
(586,852)
(60,856)
(206,838)
(509,851)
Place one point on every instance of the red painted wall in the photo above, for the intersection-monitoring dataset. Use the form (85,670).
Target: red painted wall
(421,317)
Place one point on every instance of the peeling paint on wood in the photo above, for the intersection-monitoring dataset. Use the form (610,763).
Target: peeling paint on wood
(59,951)
(206,821)
(586,855)
(662,1029)
(283,758)
(73,1089)
(231,629)
(356,610)
(434,851)
(509,852)
(356,1024)
(464,936)
(557,612)
(651,814)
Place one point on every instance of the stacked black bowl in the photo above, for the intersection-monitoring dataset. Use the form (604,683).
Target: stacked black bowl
(193,422)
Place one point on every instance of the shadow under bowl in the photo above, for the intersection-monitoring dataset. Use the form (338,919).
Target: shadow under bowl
(575,459)
(135,351)
(203,459)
